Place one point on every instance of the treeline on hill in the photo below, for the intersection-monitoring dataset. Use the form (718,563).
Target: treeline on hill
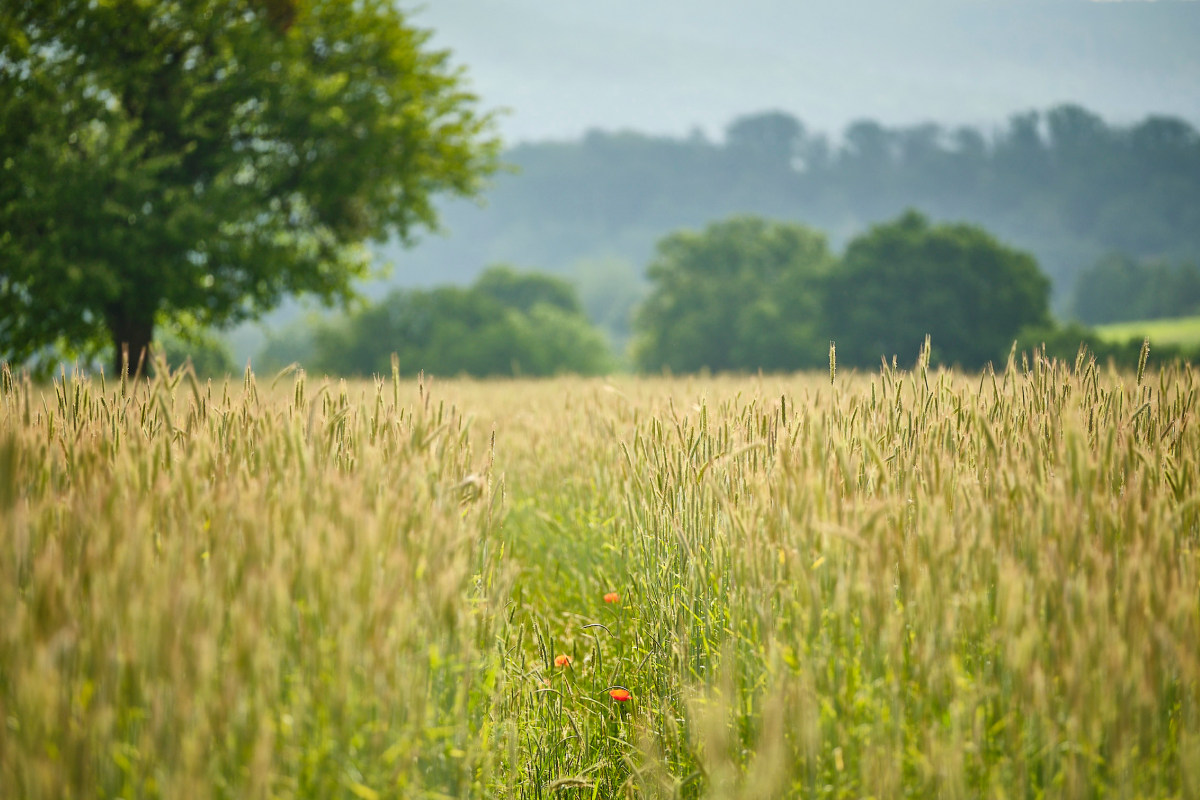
(740,295)
(1064,185)
(1119,288)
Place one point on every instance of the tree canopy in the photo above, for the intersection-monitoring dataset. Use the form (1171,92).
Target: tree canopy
(906,279)
(207,157)
(507,323)
(524,290)
(740,295)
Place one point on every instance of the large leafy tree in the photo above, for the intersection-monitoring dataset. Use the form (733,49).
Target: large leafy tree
(906,279)
(200,159)
(742,294)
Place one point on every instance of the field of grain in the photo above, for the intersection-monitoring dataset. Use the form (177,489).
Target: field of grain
(868,585)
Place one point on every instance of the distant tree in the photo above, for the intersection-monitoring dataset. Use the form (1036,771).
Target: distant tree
(524,290)
(740,295)
(1076,131)
(1020,160)
(902,280)
(1119,288)
(209,157)
(455,330)
(1061,184)
(867,168)
(774,135)
(1103,292)
(1162,143)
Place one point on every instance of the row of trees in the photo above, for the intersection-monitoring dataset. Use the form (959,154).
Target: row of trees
(1063,184)
(749,294)
(743,294)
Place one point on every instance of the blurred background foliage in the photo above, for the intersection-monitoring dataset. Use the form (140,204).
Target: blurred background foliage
(1063,184)
(740,295)
(755,251)
(506,323)
(180,343)
(1119,288)
(1036,229)
(902,281)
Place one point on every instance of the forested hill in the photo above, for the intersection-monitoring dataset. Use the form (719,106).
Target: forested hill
(1064,184)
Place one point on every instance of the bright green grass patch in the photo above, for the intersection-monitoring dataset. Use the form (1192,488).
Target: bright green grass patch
(1184,331)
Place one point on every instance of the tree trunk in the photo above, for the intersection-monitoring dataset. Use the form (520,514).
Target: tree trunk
(131,334)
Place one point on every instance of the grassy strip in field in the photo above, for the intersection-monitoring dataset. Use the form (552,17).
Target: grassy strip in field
(1184,331)
(908,583)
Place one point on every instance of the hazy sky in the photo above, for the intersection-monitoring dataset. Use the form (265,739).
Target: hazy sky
(665,66)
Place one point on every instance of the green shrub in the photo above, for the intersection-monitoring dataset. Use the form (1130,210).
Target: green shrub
(525,290)
(508,323)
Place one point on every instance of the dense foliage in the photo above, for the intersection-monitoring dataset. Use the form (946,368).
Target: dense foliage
(1119,288)
(524,291)
(744,294)
(207,158)
(1065,185)
(507,323)
(741,294)
(902,281)
(747,294)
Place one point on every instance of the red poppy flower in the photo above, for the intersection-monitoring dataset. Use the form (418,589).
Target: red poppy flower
(612,597)
(620,695)
(562,660)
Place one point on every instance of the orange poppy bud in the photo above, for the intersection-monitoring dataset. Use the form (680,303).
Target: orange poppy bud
(612,597)
(562,660)
(620,695)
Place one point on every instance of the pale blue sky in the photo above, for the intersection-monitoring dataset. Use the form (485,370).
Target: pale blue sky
(664,66)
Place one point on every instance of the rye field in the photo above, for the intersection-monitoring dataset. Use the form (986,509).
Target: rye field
(891,584)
